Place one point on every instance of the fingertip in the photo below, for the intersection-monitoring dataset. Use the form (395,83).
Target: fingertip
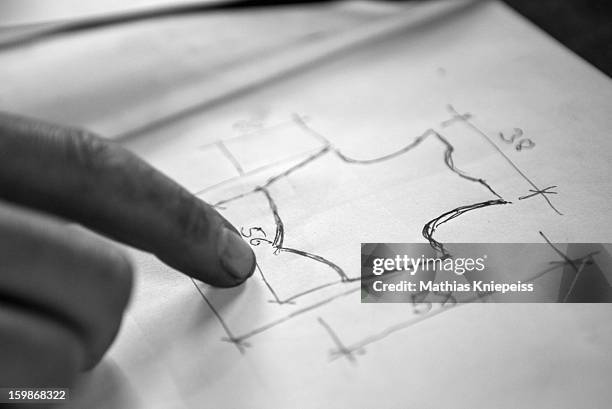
(221,259)
(235,255)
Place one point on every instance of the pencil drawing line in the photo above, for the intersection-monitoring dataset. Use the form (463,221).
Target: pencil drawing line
(545,191)
(275,178)
(327,147)
(585,260)
(255,171)
(340,350)
(471,125)
(297,166)
(430,227)
(279,235)
(578,260)
(230,336)
(559,252)
(391,155)
(318,258)
(573,284)
(310,291)
(456,118)
(230,156)
(294,314)
(566,260)
(240,340)
(371,276)
(448,159)
(265,280)
(359,346)
(256,241)
(220,203)
(448,156)
(292,298)
(299,121)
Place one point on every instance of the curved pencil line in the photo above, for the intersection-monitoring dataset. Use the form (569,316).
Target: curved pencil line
(279,235)
(448,158)
(318,258)
(430,227)
(383,158)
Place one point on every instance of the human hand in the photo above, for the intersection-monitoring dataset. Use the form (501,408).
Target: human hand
(63,290)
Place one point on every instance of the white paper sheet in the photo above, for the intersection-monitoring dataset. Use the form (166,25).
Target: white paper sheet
(324,348)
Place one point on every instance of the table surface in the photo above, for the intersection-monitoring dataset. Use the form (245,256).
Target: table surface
(583,26)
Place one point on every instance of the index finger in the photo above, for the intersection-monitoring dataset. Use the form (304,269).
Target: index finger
(80,176)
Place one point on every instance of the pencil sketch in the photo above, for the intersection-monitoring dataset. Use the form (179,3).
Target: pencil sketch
(257,236)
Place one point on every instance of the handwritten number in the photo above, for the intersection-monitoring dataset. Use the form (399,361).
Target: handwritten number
(524,143)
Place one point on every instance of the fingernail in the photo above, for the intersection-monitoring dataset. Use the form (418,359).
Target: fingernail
(236,255)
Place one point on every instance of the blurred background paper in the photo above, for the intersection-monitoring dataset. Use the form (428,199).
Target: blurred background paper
(473,72)
(119,79)
(29,12)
